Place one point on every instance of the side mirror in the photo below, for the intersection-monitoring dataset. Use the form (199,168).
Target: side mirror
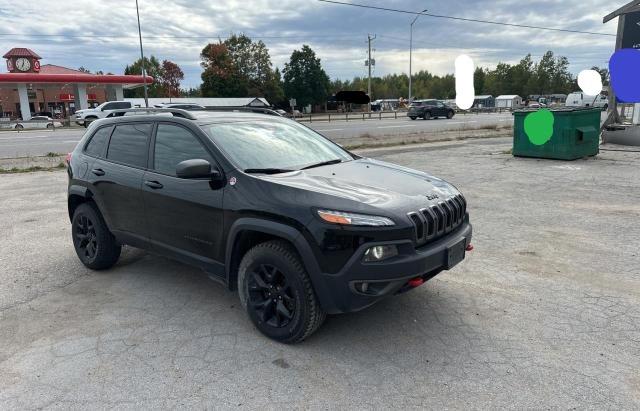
(197,168)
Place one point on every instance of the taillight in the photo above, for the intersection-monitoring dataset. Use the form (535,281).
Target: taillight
(68,158)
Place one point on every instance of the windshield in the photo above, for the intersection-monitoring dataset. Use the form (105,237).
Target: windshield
(274,144)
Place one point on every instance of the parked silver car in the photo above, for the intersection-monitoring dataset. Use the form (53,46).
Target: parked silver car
(38,122)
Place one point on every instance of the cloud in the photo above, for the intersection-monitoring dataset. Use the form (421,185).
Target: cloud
(103,35)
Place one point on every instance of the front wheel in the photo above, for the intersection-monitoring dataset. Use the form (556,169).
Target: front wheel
(427,116)
(50,126)
(413,117)
(19,126)
(450,115)
(276,291)
(94,244)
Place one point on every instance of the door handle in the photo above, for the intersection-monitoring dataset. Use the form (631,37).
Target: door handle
(98,171)
(153,184)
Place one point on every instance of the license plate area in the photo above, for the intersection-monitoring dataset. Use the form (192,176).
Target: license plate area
(456,253)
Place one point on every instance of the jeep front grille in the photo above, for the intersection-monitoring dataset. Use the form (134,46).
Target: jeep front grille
(439,219)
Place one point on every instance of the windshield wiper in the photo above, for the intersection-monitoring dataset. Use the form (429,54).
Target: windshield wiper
(266,170)
(324,163)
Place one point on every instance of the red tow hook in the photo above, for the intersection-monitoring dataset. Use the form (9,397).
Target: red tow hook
(469,247)
(415,282)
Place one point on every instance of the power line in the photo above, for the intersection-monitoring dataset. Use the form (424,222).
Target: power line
(108,36)
(442,16)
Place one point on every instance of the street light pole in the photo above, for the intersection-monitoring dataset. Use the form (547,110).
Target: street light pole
(144,71)
(411,51)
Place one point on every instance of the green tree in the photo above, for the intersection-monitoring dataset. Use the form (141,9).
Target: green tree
(153,69)
(191,92)
(604,73)
(240,67)
(479,78)
(304,78)
(273,90)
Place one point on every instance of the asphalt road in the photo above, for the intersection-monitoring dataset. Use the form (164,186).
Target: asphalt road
(543,314)
(41,142)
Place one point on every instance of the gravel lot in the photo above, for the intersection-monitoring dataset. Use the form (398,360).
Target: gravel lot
(545,313)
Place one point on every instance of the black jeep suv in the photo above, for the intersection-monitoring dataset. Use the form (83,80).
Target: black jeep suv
(428,109)
(300,226)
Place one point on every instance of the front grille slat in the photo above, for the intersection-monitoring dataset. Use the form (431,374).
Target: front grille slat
(438,219)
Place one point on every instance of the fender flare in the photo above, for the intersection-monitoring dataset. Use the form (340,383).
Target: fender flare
(287,232)
(79,191)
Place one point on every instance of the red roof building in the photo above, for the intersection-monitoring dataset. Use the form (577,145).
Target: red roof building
(29,87)
(20,52)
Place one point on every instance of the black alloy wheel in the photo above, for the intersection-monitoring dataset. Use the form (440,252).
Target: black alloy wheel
(271,296)
(85,237)
(277,294)
(95,246)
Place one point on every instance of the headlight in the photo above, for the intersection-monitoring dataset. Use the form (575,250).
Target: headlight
(379,253)
(339,217)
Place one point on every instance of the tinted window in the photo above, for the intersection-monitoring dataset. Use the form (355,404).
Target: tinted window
(175,144)
(98,142)
(129,144)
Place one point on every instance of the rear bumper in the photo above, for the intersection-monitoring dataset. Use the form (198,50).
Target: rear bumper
(342,292)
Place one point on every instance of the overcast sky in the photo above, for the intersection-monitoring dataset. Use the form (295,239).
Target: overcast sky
(102,35)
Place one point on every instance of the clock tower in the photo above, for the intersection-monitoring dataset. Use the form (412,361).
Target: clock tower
(22,60)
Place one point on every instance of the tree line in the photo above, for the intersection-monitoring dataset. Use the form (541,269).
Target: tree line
(241,67)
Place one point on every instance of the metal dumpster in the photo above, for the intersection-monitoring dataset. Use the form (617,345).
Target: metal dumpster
(566,133)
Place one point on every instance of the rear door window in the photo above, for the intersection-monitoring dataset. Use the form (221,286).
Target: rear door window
(129,144)
(98,142)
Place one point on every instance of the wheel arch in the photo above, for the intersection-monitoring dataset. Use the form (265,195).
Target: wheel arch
(248,232)
(78,195)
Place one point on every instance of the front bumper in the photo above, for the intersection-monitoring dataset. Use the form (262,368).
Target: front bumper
(343,292)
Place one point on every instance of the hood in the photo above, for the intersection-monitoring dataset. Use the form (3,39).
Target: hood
(370,182)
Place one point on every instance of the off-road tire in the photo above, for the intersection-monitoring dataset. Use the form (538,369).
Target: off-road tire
(107,251)
(307,314)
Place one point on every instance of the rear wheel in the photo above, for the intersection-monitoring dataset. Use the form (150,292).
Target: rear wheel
(276,291)
(19,126)
(413,117)
(50,126)
(94,244)
(450,114)
(427,115)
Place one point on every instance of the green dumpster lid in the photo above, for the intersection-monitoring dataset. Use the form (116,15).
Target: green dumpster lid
(558,109)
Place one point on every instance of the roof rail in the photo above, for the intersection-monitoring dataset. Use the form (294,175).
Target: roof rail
(261,110)
(177,112)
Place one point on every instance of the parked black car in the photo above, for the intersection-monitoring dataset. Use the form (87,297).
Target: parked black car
(300,226)
(428,109)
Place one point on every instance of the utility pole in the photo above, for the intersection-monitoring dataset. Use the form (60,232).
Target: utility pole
(144,71)
(369,63)
(411,52)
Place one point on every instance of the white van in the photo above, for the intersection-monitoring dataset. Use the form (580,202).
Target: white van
(580,99)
